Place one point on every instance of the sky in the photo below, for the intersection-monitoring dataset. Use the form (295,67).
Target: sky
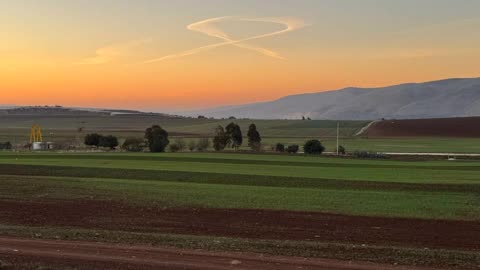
(163,55)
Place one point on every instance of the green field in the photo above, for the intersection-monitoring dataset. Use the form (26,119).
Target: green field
(402,191)
(436,189)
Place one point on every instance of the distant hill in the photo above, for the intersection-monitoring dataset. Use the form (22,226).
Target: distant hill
(65,111)
(437,99)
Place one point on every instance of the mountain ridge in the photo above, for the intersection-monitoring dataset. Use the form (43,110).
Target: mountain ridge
(454,97)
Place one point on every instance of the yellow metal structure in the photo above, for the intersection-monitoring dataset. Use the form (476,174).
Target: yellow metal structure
(36,134)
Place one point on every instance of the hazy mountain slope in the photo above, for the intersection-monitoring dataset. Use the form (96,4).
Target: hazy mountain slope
(446,98)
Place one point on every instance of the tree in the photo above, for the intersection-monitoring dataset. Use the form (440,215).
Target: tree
(108,141)
(203,144)
(313,147)
(157,138)
(6,146)
(221,139)
(92,139)
(292,149)
(280,148)
(234,135)
(254,139)
(228,133)
(133,144)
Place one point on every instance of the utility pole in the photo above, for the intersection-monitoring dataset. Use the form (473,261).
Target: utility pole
(338,134)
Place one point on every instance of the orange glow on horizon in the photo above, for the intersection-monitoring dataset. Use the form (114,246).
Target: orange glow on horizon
(197,60)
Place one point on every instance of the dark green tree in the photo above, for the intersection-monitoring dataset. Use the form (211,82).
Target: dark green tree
(254,138)
(157,138)
(292,149)
(313,147)
(92,139)
(221,139)
(234,134)
(108,142)
(279,147)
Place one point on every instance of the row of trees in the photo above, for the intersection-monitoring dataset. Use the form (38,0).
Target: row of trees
(311,147)
(231,136)
(156,140)
(199,145)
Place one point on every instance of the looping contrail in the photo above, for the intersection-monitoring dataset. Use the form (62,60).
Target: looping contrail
(208,27)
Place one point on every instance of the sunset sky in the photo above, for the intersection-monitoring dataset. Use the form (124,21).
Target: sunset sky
(163,55)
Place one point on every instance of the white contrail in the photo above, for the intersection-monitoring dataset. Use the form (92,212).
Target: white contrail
(106,54)
(205,27)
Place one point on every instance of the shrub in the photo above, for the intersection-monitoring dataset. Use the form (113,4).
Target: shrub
(133,144)
(192,145)
(342,150)
(203,144)
(313,147)
(174,147)
(279,148)
(293,149)
(182,145)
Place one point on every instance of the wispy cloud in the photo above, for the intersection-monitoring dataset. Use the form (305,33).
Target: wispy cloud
(109,53)
(209,28)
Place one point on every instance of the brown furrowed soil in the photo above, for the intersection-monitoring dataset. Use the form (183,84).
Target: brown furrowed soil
(20,253)
(445,127)
(241,223)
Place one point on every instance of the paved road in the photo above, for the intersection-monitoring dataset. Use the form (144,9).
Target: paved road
(91,254)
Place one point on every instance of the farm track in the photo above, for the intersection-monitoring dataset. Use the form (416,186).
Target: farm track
(93,255)
(243,223)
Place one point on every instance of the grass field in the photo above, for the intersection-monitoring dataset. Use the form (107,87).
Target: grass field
(147,198)
(437,189)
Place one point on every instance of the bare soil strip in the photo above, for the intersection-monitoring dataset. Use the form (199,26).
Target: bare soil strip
(244,223)
(441,127)
(91,255)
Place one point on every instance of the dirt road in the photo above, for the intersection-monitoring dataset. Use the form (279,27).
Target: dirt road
(91,255)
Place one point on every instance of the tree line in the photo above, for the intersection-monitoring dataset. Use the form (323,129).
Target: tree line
(156,140)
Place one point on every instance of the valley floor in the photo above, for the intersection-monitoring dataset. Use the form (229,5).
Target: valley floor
(228,211)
